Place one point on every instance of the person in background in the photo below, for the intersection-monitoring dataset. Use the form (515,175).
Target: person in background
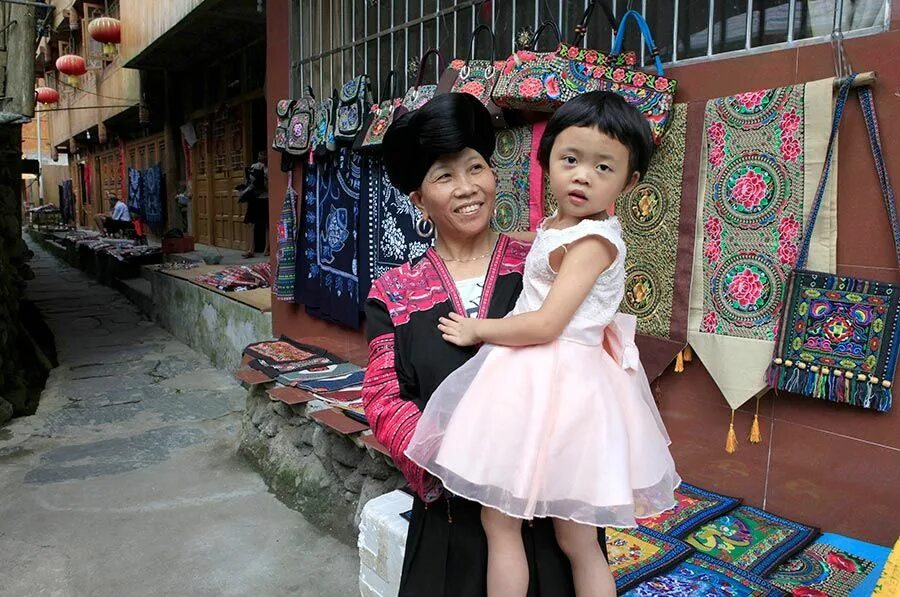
(255,193)
(119,221)
(182,201)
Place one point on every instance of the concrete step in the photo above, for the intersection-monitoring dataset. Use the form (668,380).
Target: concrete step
(140,292)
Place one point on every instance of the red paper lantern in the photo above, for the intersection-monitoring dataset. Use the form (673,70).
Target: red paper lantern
(72,66)
(46,95)
(107,31)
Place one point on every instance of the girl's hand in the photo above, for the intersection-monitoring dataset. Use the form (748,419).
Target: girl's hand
(459,330)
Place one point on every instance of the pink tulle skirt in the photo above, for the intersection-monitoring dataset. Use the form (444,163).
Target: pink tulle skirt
(559,430)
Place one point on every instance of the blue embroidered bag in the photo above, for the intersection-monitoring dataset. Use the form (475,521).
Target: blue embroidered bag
(838,336)
(352,108)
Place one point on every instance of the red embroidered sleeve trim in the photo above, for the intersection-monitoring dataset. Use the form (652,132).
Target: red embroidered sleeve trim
(513,261)
(393,419)
(409,289)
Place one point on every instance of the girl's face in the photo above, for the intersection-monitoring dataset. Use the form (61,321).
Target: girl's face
(458,194)
(588,170)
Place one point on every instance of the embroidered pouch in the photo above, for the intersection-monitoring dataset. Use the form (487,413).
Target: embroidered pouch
(353,105)
(418,95)
(476,77)
(299,130)
(283,111)
(838,336)
(379,119)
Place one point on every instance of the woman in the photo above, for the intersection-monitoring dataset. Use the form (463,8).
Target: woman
(254,191)
(439,155)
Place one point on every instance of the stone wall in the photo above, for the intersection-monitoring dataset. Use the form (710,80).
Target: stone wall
(16,355)
(324,475)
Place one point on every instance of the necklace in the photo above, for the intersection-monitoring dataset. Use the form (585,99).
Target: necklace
(470,259)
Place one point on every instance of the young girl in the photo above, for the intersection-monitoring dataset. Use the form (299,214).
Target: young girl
(554,416)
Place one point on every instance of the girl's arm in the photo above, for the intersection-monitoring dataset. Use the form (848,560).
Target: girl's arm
(585,260)
(525,236)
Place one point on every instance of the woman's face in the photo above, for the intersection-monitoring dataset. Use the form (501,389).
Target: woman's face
(458,194)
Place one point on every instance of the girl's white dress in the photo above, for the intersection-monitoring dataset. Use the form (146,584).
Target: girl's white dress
(567,429)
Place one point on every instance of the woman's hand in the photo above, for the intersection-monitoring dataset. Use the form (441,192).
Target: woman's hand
(459,330)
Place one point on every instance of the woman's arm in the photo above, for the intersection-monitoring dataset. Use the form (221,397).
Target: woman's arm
(526,236)
(581,265)
(393,419)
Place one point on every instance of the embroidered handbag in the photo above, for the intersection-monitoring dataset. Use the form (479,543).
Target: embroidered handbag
(380,118)
(283,111)
(419,95)
(652,95)
(299,130)
(838,336)
(353,105)
(476,77)
(323,140)
(544,81)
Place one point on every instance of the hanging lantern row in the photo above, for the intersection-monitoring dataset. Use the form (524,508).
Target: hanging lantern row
(46,95)
(73,66)
(107,31)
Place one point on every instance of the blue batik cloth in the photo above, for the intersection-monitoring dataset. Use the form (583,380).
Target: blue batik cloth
(135,199)
(153,198)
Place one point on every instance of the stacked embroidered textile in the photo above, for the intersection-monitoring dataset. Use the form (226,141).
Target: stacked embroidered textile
(238,278)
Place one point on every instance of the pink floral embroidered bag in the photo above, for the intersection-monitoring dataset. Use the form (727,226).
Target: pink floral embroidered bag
(476,77)
(379,119)
(418,95)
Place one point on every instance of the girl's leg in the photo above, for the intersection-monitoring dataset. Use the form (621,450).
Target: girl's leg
(590,570)
(507,567)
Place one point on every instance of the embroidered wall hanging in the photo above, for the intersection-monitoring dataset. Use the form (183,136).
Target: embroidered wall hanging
(515,160)
(286,256)
(694,506)
(639,553)
(763,154)
(752,539)
(330,241)
(833,566)
(389,221)
(703,575)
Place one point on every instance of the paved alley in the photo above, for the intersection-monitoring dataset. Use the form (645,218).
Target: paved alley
(127,480)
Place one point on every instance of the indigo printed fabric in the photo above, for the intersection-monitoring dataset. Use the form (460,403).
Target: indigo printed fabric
(703,576)
(389,220)
(153,198)
(650,215)
(135,198)
(287,247)
(331,231)
(751,539)
(639,553)
(753,209)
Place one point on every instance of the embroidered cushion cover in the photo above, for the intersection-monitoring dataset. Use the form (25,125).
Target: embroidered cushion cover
(639,553)
(701,575)
(694,507)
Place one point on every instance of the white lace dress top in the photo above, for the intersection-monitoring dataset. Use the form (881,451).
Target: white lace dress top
(601,305)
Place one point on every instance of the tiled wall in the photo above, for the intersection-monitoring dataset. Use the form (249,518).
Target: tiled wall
(822,464)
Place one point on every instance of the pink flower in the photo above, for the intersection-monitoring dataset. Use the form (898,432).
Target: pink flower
(662,84)
(717,155)
(710,321)
(713,228)
(573,53)
(746,288)
(591,56)
(551,83)
(631,59)
(475,88)
(751,99)
(531,87)
(526,56)
(716,132)
(457,64)
(639,79)
(598,73)
(749,190)
(788,253)
(619,75)
(807,592)
(788,228)
(790,122)
(790,149)
(712,251)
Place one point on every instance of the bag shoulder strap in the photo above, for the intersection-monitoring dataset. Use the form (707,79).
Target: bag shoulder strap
(420,76)
(552,26)
(581,28)
(826,171)
(867,101)
(645,32)
(474,37)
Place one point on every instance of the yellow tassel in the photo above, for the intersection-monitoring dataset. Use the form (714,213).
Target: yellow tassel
(688,354)
(755,435)
(731,440)
(679,363)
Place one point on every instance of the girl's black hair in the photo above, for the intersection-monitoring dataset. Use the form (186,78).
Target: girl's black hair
(445,125)
(613,116)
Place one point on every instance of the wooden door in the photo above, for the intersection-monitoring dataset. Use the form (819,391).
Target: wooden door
(228,158)
(201,183)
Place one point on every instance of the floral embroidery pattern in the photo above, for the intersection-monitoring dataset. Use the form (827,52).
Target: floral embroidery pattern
(753,208)
(702,575)
(512,162)
(822,569)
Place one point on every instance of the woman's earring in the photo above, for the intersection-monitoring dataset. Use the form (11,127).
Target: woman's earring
(424,227)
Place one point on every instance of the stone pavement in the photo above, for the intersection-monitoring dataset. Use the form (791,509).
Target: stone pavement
(127,480)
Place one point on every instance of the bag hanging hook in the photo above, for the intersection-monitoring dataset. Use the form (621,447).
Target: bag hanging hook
(842,67)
